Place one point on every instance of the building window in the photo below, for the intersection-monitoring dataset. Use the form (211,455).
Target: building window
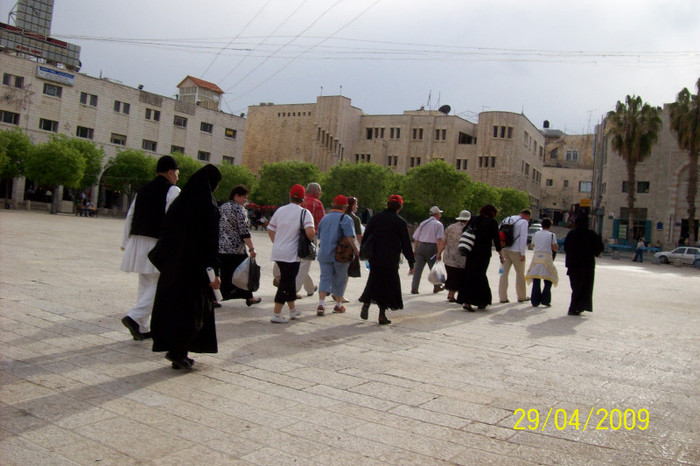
(527,168)
(118,139)
(152,114)
(180,121)
(177,150)
(414,161)
(52,90)
(392,160)
(510,132)
(603,188)
(203,156)
(549,182)
(88,99)
(440,134)
(83,132)
(122,107)
(369,133)
(495,131)
(461,164)
(554,154)
(585,186)
(566,183)
(229,159)
(12,80)
(9,117)
(571,155)
(230,133)
(465,138)
(149,145)
(48,125)
(493,162)
(206,127)
(417,133)
(363,158)
(395,133)
(642,187)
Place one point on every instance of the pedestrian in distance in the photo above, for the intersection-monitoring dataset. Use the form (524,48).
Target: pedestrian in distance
(639,250)
(475,289)
(234,238)
(335,226)
(514,254)
(582,246)
(183,310)
(450,255)
(542,265)
(141,231)
(283,231)
(385,239)
(312,202)
(428,238)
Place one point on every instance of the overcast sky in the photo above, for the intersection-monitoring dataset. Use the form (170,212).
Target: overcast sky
(566,62)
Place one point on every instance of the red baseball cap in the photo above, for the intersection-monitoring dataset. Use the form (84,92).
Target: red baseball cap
(340,200)
(396,198)
(297,192)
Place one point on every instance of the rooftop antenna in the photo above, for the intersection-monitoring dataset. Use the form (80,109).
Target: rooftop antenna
(430,94)
(321,91)
(341,89)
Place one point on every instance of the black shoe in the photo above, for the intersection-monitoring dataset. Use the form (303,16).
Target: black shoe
(575,313)
(180,362)
(147,335)
(468,307)
(438,288)
(251,301)
(384,321)
(364,313)
(133,327)
(482,307)
(414,291)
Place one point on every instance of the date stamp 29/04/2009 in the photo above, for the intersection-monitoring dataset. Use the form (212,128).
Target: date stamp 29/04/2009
(597,419)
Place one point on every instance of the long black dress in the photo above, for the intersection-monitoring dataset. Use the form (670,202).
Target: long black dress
(581,246)
(388,233)
(183,312)
(475,289)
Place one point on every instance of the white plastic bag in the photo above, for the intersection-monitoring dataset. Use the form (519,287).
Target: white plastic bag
(438,274)
(240,276)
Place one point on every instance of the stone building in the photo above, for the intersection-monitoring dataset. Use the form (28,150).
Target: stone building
(661,207)
(504,149)
(43,100)
(568,174)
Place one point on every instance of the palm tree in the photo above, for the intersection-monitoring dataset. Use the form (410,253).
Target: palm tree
(634,127)
(685,122)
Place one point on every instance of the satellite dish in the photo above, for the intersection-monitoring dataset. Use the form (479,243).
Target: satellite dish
(445,109)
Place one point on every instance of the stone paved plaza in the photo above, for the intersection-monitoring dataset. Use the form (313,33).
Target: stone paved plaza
(438,386)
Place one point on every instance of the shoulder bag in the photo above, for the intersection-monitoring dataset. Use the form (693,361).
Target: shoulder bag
(307,248)
(343,250)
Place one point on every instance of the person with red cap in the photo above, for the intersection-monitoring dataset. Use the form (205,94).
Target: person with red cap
(385,239)
(334,224)
(283,231)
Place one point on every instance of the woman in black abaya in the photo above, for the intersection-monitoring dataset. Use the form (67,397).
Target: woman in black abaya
(183,310)
(581,246)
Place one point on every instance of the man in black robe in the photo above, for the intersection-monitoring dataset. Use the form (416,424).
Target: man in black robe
(581,247)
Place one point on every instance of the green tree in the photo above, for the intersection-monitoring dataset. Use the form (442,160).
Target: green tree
(511,201)
(15,148)
(55,163)
(93,158)
(634,127)
(435,183)
(275,179)
(233,175)
(187,166)
(128,171)
(685,122)
(478,195)
(370,183)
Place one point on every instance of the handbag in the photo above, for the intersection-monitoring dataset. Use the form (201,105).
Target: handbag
(554,253)
(343,250)
(307,248)
(241,274)
(354,268)
(253,276)
(466,241)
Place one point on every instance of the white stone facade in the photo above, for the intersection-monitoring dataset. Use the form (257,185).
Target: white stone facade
(113,116)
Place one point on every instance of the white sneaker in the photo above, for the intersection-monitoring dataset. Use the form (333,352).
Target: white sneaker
(293,314)
(278,319)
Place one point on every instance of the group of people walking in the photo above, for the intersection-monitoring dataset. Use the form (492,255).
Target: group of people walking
(185,247)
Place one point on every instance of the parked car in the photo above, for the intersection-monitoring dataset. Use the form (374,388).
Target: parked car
(683,255)
(532,229)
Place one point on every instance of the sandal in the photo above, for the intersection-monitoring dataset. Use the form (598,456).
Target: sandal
(451,299)
(468,307)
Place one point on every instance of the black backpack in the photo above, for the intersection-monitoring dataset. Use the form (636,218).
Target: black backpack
(507,232)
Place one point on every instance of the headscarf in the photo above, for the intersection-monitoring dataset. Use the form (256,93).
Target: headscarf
(190,232)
